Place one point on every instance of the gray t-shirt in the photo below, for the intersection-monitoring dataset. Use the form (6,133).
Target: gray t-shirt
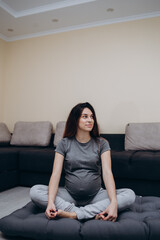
(82,165)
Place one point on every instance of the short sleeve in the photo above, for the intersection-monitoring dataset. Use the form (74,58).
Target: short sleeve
(61,147)
(104,146)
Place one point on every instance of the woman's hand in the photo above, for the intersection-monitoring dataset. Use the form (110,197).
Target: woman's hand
(110,213)
(51,211)
(53,185)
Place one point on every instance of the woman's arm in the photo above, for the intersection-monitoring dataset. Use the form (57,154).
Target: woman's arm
(53,185)
(110,212)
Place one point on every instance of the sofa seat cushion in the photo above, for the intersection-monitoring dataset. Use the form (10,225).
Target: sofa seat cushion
(8,168)
(35,166)
(121,164)
(36,160)
(136,164)
(8,159)
(140,222)
(146,165)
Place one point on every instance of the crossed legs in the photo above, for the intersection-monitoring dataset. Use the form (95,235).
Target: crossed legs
(65,202)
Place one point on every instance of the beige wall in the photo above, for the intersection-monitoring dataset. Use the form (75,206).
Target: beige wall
(114,67)
(2,75)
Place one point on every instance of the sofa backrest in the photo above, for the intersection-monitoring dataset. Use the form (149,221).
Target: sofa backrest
(116,141)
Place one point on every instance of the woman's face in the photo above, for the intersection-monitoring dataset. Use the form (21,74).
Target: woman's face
(86,120)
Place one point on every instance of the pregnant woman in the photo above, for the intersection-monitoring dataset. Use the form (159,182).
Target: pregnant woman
(86,159)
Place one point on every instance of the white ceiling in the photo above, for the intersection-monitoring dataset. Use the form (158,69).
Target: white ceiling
(21,19)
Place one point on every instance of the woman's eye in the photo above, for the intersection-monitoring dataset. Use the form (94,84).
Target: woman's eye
(85,117)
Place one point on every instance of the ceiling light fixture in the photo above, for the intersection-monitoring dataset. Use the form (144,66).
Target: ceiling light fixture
(110,9)
(55,20)
(10,30)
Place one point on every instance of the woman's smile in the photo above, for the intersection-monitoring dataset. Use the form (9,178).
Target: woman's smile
(89,125)
(86,121)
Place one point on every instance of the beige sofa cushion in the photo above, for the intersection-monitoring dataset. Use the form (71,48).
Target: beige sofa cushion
(60,127)
(142,136)
(5,135)
(32,134)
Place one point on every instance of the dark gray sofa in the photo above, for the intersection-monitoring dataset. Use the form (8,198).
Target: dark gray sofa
(27,166)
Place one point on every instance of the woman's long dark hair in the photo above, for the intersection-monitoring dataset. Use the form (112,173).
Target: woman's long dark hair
(73,120)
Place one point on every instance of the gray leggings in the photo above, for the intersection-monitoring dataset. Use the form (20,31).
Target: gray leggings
(65,202)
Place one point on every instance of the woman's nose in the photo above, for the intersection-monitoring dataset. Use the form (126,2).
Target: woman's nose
(89,119)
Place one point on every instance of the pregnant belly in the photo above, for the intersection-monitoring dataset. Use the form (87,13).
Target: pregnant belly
(83,187)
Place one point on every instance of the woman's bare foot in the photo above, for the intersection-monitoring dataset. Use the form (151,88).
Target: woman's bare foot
(64,214)
(98,217)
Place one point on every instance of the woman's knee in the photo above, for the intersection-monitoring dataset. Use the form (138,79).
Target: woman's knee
(39,195)
(131,196)
(35,191)
(126,197)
